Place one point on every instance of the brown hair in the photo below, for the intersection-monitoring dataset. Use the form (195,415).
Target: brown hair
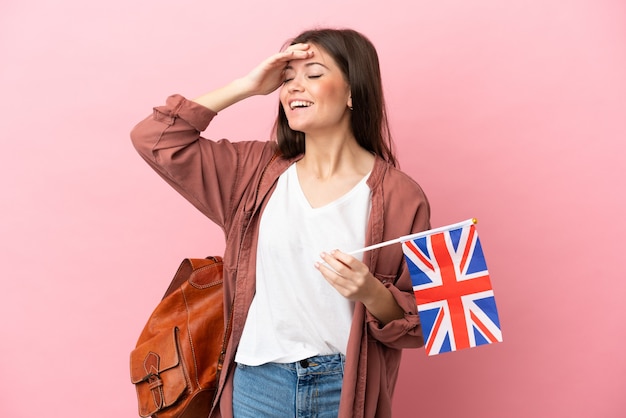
(358,60)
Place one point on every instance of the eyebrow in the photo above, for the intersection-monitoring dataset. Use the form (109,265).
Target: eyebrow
(308,64)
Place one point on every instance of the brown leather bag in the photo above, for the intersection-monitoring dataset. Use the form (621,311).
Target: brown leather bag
(177,360)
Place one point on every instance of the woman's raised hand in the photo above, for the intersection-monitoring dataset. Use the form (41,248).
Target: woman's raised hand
(269,75)
(263,79)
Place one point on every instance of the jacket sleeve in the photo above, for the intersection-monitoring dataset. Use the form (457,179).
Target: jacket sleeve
(204,172)
(405,332)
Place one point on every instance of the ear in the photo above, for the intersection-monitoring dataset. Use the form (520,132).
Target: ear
(350,101)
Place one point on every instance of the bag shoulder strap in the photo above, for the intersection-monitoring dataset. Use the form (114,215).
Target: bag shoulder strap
(186,268)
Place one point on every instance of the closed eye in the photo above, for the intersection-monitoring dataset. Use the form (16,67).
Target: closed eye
(287,80)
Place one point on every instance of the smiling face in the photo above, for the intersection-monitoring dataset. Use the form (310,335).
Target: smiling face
(315,95)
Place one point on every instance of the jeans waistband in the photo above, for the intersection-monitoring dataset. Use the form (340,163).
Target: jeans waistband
(330,363)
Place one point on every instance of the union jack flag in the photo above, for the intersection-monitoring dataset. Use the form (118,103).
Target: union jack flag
(452,289)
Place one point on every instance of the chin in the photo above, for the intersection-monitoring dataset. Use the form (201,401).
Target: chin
(300,127)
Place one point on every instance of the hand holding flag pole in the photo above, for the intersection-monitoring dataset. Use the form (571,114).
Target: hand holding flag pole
(453,291)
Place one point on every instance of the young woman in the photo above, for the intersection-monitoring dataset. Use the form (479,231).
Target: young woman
(316,332)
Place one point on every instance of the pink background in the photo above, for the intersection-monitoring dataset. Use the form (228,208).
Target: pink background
(513,112)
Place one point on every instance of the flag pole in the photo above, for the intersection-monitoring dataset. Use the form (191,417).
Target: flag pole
(472,221)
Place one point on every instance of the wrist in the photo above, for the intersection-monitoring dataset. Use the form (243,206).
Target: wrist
(376,292)
(241,88)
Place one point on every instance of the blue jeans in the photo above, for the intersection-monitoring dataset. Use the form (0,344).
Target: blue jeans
(309,388)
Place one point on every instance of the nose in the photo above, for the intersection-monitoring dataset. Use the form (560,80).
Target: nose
(295,85)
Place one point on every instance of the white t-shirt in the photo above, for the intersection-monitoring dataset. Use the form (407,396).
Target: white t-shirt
(296,313)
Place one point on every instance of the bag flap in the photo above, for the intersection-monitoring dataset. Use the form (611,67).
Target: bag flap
(154,356)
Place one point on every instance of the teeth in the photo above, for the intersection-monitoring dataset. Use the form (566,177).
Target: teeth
(299,103)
